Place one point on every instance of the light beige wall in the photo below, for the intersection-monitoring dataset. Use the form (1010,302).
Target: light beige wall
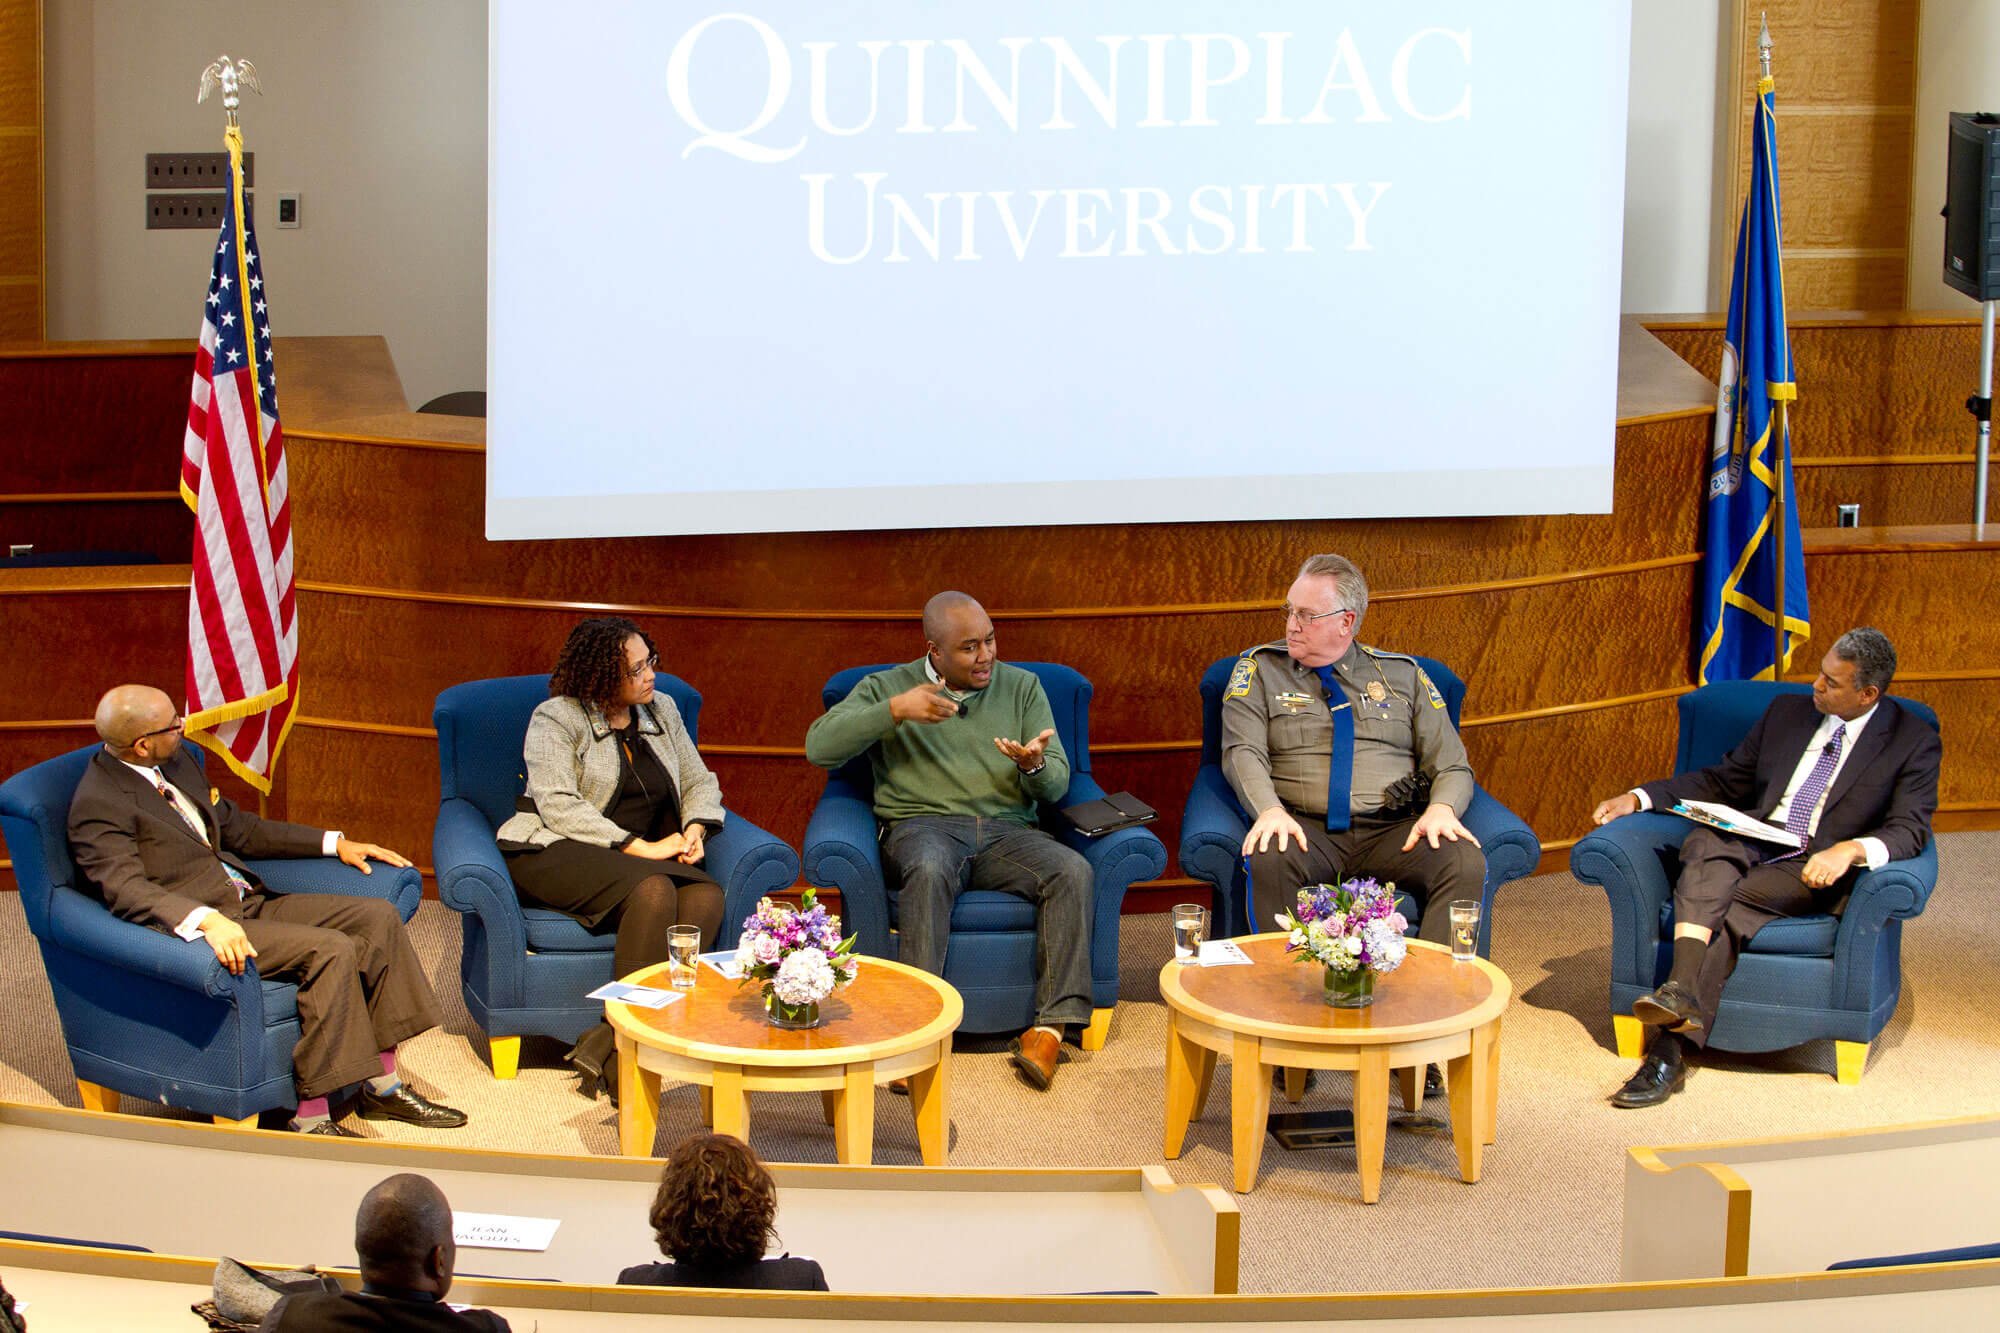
(1956,71)
(373,110)
(1674,141)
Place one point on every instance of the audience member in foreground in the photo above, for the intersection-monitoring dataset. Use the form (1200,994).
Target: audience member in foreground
(1847,771)
(963,748)
(617,808)
(713,1219)
(165,850)
(402,1237)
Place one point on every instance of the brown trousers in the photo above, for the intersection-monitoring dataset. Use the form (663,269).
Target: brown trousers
(361,989)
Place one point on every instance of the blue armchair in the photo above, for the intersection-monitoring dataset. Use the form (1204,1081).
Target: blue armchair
(147,1014)
(990,958)
(526,970)
(1800,978)
(1214,822)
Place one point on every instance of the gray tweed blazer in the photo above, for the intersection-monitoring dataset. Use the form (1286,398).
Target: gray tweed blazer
(572,762)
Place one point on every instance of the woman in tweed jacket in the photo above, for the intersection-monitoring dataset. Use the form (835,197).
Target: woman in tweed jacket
(618,806)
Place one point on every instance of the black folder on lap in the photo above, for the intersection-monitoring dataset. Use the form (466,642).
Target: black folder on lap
(1119,810)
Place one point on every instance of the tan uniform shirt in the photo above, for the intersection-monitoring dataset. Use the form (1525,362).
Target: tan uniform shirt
(1277,731)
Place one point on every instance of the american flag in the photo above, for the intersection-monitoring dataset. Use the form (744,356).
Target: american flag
(243,627)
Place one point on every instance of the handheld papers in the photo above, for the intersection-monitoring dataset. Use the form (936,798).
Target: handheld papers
(1733,821)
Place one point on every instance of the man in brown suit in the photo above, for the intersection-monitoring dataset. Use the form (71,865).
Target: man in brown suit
(165,850)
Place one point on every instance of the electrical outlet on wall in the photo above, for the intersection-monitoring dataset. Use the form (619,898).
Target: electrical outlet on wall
(288,210)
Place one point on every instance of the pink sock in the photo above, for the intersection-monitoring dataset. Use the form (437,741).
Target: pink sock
(310,1109)
(388,1082)
(389,1063)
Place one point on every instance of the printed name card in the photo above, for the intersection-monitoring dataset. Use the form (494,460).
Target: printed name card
(498,1231)
(1222,953)
(646,997)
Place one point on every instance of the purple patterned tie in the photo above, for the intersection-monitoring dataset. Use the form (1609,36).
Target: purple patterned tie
(236,879)
(1799,814)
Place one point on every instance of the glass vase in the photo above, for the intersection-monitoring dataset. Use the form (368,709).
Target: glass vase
(782,1015)
(1350,990)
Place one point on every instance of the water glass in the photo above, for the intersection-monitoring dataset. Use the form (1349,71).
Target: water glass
(1190,929)
(683,955)
(1465,928)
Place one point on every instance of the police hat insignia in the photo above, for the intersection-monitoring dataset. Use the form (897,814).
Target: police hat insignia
(1437,700)
(1240,678)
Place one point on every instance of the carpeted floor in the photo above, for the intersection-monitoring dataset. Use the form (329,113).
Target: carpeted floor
(1546,1212)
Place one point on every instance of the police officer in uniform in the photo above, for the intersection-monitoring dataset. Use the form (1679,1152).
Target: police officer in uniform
(1317,720)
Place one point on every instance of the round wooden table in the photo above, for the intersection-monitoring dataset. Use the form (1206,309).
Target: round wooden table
(890,1022)
(1270,1016)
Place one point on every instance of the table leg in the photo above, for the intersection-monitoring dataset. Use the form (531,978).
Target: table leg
(639,1104)
(1249,1107)
(1410,1083)
(1295,1084)
(730,1103)
(1466,1080)
(854,1117)
(1371,1119)
(829,1104)
(930,1099)
(1182,1083)
(1491,1124)
(1204,1076)
(707,1104)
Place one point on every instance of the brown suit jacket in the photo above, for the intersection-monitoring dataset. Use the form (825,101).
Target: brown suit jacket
(145,861)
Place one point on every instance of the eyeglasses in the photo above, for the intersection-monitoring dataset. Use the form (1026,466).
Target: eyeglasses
(634,672)
(175,725)
(1291,613)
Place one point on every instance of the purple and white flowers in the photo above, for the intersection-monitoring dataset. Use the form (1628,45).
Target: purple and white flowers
(798,954)
(1347,927)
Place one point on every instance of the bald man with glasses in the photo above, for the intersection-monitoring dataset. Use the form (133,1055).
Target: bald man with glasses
(166,850)
(1346,759)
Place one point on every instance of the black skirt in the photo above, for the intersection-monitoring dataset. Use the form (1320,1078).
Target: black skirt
(589,883)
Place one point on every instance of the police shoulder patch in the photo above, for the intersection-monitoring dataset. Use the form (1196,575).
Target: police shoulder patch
(1240,678)
(1388,656)
(1437,700)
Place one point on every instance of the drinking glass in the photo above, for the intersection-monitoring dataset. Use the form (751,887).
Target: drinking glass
(683,955)
(1190,928)
(1465,928)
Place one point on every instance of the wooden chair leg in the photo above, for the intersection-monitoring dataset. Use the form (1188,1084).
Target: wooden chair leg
(1631,1034)
(506,1054)
(1849,1059)
(1100,1028)
(97,1097)
(249,1122)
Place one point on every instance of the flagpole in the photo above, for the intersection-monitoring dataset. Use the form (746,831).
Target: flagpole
(1784,432)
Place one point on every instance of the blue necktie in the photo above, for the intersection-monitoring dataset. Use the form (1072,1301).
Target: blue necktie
(1799,814)
(1340,772)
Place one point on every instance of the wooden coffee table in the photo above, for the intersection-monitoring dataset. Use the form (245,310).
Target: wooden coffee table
(890,1022)
(1270,1016)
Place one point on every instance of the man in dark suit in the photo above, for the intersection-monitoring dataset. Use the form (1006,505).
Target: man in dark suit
(1852,775)
(165,850)
(402,1236)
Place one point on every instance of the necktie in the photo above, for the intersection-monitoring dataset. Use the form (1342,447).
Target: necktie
(193,821)
(1799,814)
(1340,771)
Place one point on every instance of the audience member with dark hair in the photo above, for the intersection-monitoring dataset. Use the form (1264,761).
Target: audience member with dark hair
(618,805)
(402,1237)
(713,1218)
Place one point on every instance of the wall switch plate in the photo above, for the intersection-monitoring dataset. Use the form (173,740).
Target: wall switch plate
(288,210)
(1847,516)
(19,548)
(171,212)
(195,171)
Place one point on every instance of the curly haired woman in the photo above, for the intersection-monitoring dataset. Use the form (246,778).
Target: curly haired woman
(618,806)
(713,1219)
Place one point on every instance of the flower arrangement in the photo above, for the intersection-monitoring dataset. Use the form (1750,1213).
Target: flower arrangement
(1351,929)
(798,955)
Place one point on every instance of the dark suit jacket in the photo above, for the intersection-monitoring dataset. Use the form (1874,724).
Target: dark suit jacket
(129,841)
(1887,788)
(313,1311)
(781,1274)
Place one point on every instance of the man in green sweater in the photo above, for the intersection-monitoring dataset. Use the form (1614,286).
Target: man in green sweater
(956,795)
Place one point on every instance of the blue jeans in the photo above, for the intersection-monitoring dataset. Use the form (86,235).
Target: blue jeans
(938,857)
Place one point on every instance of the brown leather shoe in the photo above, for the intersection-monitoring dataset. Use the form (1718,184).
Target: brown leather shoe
(900,1086)
(1036,1053)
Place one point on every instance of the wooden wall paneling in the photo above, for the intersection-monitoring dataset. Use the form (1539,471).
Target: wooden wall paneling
(65,649)
(162,528)
(94,423)
(22,278)
(1889,494)
(1837,279)
(1553,771)
(1934,605)
(1969,726)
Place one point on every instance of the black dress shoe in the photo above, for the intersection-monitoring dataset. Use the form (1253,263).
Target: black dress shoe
(1672,1007)
(1660,1076)
(1433,1080)
(326,1129)
(595,1059)
(409,1106)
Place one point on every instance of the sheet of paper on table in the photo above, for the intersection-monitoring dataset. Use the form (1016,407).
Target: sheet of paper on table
(646,997)
(724,961)
(1221,953)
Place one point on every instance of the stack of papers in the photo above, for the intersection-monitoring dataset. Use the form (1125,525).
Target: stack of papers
(1733,821)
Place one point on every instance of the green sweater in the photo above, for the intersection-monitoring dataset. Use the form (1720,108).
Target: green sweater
(950,767)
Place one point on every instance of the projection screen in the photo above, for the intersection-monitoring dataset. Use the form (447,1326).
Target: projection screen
(800,266)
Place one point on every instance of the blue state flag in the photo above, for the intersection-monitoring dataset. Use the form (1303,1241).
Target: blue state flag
(1750,465)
